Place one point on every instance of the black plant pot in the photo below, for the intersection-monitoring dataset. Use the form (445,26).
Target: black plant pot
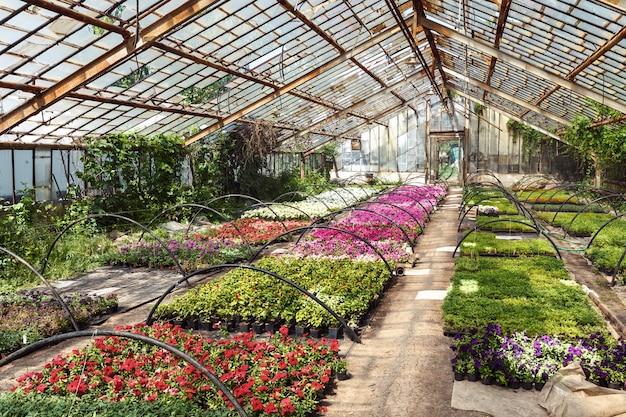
(205,324)
(472,377)
(301,331)
(335,332)
(515,384)
(487,380)
(272,327)
(191,324)
(342,376)
(258,328)
(316,332)
(459,376)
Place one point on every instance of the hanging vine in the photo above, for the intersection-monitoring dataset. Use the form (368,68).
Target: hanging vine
(532,139)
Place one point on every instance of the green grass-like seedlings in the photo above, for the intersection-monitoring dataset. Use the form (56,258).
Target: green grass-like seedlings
(533,294)
(486,243)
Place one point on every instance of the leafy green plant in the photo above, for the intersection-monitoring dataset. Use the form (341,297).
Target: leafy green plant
(349,287)
(487,223)
(482,243)
(533,294)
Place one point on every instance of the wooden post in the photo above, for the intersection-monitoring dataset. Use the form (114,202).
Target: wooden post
(427,144)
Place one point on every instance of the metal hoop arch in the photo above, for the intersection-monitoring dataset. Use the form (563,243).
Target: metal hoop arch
(353,336)
(386,203)
(406,236)
(47,284)
(272,203)
(327,188)
(142,338)
(201,207)
(537,229)
(312,227)
(476,203)
(249,198)
(602,227)
(583,209)
(477,188)
(564,188)
(308,196)
(590,190)
(400,192)
(117,216)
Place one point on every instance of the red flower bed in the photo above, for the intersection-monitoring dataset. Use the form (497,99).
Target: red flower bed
(270,376)
(256,231)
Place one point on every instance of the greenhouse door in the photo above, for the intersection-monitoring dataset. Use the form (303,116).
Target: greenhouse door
(447,157)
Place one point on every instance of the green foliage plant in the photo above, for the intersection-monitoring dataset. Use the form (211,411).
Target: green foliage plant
(534,294)
(485,243)
(133,173)
(349,287)
(532,139)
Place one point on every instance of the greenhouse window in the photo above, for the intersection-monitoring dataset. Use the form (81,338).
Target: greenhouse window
(134,77)
(199,95)
(117,13)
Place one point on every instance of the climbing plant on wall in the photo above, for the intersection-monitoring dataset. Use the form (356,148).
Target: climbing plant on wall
(236,161)
(531,139)
(127,172)
(604,144)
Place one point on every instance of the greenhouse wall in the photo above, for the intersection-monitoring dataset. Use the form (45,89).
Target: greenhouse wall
(48,171)
(400,147)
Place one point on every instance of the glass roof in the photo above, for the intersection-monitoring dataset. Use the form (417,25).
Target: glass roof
(317,70)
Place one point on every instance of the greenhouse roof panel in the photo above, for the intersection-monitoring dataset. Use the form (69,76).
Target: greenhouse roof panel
(77,68)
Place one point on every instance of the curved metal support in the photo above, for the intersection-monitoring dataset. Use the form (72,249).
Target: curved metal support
(142,338)
(249,198)
(616,270)
(353,336)
(400,192)
(602,227)
(306,194)
(537,229)
(532,178)
(200,207)
(50,287)
(477,203)
(272,203)
(386,203)
(567,187)
(477,189)
(117,216)
(586,190)
(479,174)
(327,188)
(542,178)
(353,208)
(583,209)
(307,228)
(521,209)
(542,193)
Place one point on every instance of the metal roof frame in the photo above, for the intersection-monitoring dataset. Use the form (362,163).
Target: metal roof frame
(71,69)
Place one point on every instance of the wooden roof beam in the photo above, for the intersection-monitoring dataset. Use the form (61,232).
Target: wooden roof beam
(588,61)
(505,7)
(353,107)
(146,38)
(73,14)
(294,84)
(510,115)
(525,66)
(508,97)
